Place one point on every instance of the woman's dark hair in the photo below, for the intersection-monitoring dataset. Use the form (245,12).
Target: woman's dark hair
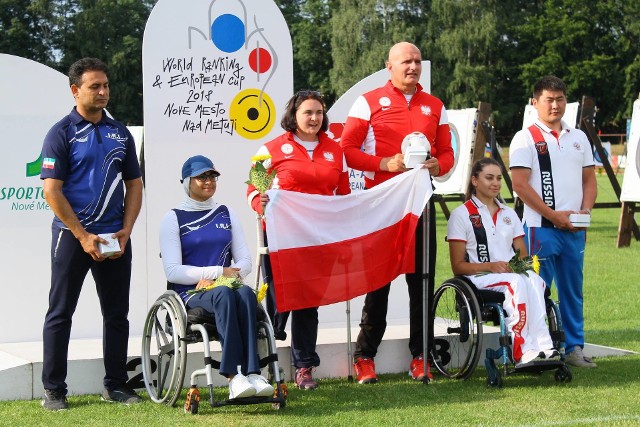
(289,123)
(83,65)
(478,167)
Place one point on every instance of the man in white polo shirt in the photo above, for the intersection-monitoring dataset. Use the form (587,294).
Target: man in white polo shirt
(552,170)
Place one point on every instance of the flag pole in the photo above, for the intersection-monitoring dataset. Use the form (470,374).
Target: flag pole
(348,312)
(349,349)
(426,272)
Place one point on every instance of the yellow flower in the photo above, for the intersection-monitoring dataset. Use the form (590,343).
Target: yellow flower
(260,158)
(536,264)
(262,292)
(231,282)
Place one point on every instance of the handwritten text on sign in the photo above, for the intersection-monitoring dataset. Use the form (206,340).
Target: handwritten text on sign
(198,103)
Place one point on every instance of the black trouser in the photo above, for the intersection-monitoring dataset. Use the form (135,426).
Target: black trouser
(69,267)
(374,312)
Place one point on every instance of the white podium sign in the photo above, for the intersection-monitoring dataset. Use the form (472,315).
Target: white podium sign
(216,76)
(631,180)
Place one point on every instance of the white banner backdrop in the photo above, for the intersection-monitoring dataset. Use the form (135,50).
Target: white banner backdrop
(463,136)
(25,217)
(631,180)
(216,76)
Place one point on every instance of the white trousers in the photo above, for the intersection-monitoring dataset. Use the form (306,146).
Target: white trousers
(524,307)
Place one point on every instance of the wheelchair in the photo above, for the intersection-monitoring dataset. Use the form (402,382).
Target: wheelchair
(169,327)
(460,309)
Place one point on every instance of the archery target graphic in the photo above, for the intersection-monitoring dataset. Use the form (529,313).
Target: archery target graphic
(253,113)
(455,144)
(260,60)
(227,33)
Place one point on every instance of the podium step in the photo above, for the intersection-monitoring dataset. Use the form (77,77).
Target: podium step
(21,363)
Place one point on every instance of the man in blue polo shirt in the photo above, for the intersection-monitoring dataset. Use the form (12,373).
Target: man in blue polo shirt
(92,182)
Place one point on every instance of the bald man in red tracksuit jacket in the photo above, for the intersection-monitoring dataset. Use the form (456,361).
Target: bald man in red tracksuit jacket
(377,123)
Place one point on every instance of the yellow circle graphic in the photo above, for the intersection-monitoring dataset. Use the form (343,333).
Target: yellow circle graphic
(253,113)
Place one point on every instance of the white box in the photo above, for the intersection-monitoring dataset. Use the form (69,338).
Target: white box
(414,156)
(580,220)
(112,246)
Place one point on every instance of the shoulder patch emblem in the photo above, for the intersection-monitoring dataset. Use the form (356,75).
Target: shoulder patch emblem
(476,220)
(541,147)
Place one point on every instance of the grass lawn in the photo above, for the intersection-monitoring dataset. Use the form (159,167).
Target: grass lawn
(608,395)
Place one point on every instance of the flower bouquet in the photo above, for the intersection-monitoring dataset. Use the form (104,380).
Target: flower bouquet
(258,174)
(233,283)
(521,265)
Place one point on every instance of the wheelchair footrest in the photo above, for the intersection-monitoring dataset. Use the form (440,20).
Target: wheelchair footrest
(539,366)
(246,401)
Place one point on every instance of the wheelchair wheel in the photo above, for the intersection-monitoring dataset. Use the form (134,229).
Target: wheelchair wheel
(458,315)
(164,330)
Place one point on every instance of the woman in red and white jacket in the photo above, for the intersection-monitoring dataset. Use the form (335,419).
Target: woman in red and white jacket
(308,161)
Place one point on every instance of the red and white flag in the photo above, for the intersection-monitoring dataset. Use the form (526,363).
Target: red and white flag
(327,249)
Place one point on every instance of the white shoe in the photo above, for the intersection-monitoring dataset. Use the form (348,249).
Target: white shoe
(239,386)
(529,356)
(262,386)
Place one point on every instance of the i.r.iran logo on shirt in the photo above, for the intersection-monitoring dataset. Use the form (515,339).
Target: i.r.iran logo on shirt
(48,163)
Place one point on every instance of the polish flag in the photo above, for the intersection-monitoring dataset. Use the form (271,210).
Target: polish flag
(327,249)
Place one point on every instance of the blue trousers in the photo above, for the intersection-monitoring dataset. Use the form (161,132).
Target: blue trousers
(235,316)
(561,255)
(69,267)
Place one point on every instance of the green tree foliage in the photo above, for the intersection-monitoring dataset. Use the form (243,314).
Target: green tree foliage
(480,50)
(311,35)
(467,40)
(592,45)
(364,30)
(112,31)
(26,28)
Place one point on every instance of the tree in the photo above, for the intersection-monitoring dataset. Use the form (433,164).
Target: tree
(364,30)
(311,36)
(26,28)
(467,39)
(98,28)
(592,46)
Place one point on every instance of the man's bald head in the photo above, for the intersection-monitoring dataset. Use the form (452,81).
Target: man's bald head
(405,65)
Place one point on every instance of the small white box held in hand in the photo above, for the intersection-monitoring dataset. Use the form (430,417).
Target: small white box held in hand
(416,149)
(580,220)
(112,246)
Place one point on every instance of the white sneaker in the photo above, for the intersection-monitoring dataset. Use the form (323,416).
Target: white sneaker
(529,356)
(262,386)
(239,386)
